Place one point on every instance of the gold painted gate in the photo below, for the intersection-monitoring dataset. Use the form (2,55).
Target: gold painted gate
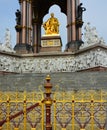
(74,110)
(21,111)
(80,110)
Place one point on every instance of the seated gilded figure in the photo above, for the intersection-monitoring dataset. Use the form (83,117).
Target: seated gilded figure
(51,26)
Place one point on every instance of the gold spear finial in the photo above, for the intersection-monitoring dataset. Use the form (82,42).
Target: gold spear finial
(48,77)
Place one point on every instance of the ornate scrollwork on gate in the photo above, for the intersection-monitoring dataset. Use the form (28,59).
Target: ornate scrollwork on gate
(34,117)
(21,110)
(84,109)
(63,113)
(73,110)
(100,115)
(15,108)
(82,114)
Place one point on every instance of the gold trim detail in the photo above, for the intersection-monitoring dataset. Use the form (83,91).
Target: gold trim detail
(73,23)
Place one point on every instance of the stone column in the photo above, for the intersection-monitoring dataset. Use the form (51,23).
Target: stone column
(24,15)
(24,35)
(26,22)
(30,24)
(73,24)
(71,28)
(17,38)
(36,35)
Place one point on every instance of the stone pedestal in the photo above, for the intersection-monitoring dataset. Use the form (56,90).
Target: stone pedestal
(23,48)
(74,46)
(51,43)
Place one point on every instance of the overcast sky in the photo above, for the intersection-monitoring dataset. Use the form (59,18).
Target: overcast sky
(95,14)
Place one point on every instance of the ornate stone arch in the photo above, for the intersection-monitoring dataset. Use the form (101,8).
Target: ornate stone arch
(42,6)
(32,13)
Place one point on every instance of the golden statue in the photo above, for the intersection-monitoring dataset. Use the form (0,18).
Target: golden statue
(51,26)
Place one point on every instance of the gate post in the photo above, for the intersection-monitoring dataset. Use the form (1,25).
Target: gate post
(48,102)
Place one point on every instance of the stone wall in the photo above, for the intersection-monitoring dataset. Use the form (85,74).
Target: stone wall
(87,58)
(9,62)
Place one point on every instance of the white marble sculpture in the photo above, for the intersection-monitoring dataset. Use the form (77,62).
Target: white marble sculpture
(48,64)
(91,36)
(6,46)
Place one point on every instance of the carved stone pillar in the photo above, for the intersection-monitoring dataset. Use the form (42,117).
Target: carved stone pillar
(36,35)
(17,38)
(24,27)
(30,24)
(71,28)
(26,22)
(71,25)
(24,36)
(74,32)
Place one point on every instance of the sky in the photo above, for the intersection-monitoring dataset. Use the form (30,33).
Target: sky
(95,14)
